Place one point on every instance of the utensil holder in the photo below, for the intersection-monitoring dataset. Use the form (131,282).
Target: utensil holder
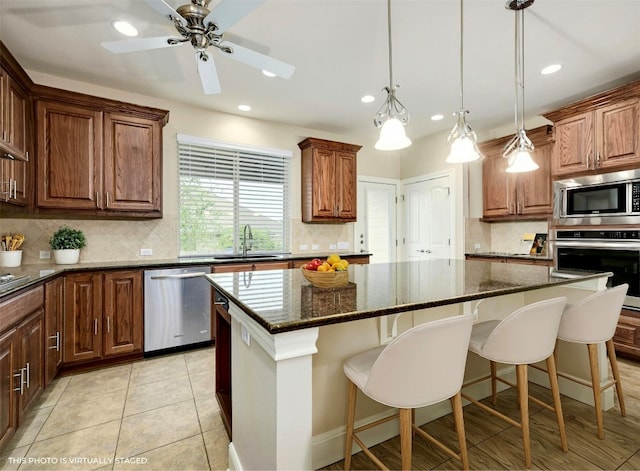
(10,258)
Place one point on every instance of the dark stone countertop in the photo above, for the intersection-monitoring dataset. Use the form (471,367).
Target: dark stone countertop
(283,300)
(38,273)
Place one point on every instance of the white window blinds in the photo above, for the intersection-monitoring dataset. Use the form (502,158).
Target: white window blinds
(224,187)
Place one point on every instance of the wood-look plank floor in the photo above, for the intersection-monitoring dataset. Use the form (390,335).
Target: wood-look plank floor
(495,445)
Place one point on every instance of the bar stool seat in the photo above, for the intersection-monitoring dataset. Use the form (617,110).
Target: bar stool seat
(524,337)
(593,321)
(422,366)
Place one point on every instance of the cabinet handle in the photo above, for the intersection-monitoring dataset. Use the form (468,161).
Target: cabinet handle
(107,199)
(97,199)
(518,210)
(108,324)
(21,375)
(598,160)
(95,326)
(28,374)
(57,345)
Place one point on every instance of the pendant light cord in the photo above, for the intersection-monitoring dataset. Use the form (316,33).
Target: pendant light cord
(390,48)
(519,72)
(461,55)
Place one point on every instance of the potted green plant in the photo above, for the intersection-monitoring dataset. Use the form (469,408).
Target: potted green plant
(66,244)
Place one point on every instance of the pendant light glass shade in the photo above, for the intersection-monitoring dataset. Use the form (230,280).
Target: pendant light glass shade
(518,151)
(392,136)
(463,142)
(392,115)
(462,139)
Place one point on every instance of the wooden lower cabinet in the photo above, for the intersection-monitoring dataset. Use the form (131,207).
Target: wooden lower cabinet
(30,340)
(103,315)
(8,398)
(53,314)
(627,337)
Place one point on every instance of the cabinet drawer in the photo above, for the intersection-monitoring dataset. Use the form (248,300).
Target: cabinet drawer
(15,309)
(627,334)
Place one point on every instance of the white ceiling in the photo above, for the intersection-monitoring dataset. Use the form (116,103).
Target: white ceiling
(339,48)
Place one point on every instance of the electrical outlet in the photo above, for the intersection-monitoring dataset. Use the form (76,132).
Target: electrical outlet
(476,246)
(246,336)
(315,247)
(343,245)
(332,246)
(146,252)
(45,255)
(304,248)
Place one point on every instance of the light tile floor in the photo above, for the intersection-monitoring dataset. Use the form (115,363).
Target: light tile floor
(156,414)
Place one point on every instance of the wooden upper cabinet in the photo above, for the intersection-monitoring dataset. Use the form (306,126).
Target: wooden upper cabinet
(517,195)
(69,150)
(133,170)
(14,117)
(97,155)
(329,181)
(598,134)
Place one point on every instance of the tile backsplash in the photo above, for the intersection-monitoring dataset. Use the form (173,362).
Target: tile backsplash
(502,236)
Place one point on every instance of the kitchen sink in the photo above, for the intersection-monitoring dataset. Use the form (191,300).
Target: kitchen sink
(233,256)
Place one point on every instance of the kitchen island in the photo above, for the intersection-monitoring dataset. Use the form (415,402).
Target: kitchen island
(288,341)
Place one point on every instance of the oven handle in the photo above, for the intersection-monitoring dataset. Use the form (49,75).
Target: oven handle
(608,245)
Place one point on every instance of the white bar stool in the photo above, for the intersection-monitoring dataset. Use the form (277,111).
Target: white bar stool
(593,321)
(422,366)
(525,336)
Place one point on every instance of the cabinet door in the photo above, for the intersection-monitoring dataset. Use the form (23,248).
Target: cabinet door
(13,175)
(534,189)
(30,338)
(16,115)
(123,311)
(54,310)
(345,187)
(573,151)
(82,337)
(8,365)
(617,134)
(498,187)
(69,156)
(4,78)
(324,183)
(133,174)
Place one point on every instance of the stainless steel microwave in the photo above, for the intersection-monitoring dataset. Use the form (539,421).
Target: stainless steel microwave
(610,198)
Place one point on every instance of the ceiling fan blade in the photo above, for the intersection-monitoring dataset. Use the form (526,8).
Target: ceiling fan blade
(258,60)
(162,7)
(208,74)
(138,44)
(228,12)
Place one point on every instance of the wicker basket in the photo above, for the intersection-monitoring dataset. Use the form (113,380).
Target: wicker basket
(326,279)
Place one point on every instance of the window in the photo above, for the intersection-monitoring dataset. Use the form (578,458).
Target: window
(225,186)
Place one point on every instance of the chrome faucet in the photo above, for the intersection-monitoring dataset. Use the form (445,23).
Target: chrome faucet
(246,246)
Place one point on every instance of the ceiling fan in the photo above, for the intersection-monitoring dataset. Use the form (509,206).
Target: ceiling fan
(203,29)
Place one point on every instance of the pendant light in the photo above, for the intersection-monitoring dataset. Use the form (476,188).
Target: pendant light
(519,149)
(392,115)
(462,138)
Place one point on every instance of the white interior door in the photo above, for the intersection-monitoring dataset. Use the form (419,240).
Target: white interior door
(428,211)
(375,231)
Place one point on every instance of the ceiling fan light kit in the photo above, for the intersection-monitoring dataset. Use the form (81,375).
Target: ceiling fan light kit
(519,149)
(204,28)
(392,115)
(462,139)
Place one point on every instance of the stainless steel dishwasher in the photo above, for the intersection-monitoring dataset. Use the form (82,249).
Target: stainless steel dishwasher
(177,309)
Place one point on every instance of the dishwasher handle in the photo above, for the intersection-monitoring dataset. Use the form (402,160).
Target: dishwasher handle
(197,274)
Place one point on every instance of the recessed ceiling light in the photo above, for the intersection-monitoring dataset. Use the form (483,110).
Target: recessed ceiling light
(266,73)
(368,99)
(124,27)
(551,69)
(436,117)
(244,107)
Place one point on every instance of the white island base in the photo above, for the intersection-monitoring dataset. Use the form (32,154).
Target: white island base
(289,391)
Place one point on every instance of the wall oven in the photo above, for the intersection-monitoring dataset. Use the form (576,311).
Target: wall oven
(611,198)
(617,251)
